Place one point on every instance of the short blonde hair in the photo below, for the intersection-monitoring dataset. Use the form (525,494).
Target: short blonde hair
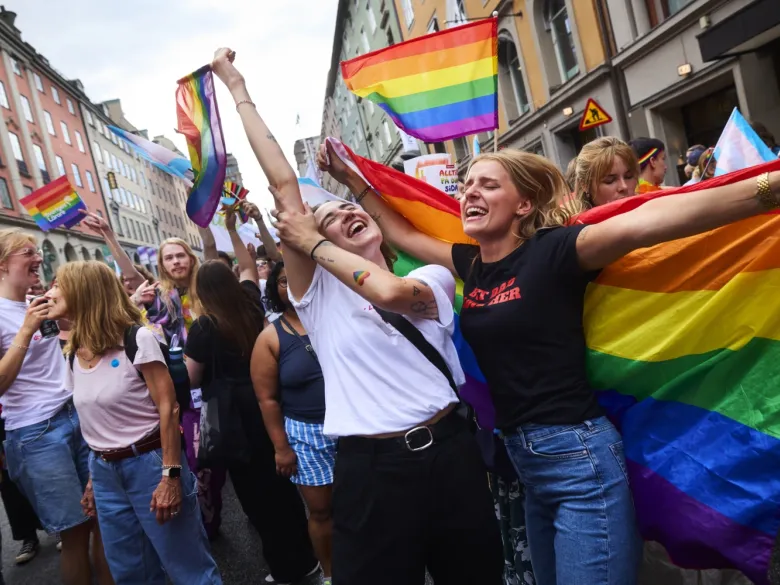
(98,306)
(167,284)
(542,183)
(12,240)
(594,162)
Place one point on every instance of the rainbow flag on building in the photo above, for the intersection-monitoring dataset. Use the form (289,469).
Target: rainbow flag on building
(684,340)
(436,87)
(198,121)
(56,205)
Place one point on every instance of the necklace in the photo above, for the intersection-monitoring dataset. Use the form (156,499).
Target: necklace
(89,360)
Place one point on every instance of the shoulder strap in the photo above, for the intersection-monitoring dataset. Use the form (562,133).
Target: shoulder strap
(71,357)
(131,345)
(417,339)
(307,346)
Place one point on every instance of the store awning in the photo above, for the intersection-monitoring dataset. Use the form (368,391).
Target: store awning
(747,30)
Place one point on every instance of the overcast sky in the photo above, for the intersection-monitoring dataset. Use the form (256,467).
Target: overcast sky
(136,50)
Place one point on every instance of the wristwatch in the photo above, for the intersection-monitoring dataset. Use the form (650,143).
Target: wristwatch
(172,472)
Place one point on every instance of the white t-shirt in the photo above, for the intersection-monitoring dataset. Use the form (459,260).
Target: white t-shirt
(376,381)
(39,390)
(113,402)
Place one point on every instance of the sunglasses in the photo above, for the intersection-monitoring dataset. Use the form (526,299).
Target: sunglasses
(283,282)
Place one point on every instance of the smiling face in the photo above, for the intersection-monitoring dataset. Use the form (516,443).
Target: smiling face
(349,227)
(491,202)
(618,183)
(177,263)
(21,266)
(58,308)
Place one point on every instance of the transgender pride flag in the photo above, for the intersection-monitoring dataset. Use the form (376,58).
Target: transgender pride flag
(739,147)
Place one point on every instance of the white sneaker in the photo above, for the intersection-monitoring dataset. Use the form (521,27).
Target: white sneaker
(270,578)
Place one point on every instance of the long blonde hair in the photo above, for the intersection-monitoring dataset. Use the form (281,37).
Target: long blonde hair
(594,162)
(12,240)
(98,306)
(542,183)
(167,284)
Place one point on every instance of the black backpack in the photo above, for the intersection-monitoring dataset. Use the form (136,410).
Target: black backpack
(131,348)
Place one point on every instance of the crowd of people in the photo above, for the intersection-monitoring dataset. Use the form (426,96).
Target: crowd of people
(326,387)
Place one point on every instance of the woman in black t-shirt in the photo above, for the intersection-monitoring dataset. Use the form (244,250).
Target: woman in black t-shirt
(524,287)
(218,350)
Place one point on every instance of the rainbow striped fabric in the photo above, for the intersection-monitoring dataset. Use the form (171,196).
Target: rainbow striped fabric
(198,121)
(684,338)
(56,205)
(436,87)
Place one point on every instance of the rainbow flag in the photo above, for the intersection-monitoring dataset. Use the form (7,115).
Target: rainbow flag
(198,121)
(684,340)
(436,87)
(232,194)
(56,205)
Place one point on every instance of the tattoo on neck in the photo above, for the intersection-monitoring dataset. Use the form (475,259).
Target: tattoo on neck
(360,276)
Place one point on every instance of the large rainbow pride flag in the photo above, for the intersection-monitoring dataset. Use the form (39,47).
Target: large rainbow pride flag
(684,341)
(198,120)
(436,87)
(55,205)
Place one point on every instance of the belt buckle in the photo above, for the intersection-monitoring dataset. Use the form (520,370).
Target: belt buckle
(414,430)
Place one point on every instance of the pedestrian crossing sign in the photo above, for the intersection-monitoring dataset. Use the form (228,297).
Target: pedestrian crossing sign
(593,116)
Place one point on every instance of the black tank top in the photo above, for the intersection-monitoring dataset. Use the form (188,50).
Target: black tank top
(301,385)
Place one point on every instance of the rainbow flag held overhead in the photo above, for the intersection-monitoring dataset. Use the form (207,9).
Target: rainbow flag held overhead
(233,193)
(164,159)
(56,205)
(683,342)
(436,87)
(198,121)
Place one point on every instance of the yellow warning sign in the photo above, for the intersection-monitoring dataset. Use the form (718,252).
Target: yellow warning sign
(593,116)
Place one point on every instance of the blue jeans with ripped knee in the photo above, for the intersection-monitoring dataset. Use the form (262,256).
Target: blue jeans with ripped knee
(579,510)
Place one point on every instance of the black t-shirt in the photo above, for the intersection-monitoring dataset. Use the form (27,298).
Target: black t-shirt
(206,346)
(522,316)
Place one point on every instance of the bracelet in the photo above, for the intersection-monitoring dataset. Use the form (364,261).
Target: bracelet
(317,245)
(766,198)
(245,102)
(363,193)
(22,347)
(171,466)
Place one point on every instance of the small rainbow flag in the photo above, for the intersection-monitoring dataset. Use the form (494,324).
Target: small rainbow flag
(683,339)
(436,87)
(232,194)
(198,121)
(55,205)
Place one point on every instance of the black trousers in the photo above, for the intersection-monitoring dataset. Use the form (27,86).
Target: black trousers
(21,516)
(271,502)
(396,513)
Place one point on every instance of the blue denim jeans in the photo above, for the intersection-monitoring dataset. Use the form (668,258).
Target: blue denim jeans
(48,462)
(579,510)
(138,549)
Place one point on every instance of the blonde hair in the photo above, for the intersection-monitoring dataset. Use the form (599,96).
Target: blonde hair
(542,183)
(167,284)
(98,306)
(594,162)
(13,239)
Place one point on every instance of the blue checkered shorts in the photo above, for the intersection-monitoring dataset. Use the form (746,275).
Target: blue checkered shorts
(316,453)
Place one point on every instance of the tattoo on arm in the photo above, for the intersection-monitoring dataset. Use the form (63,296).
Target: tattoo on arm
(360,276)
(270,137)
(415,291)
(319,254)
(425,310)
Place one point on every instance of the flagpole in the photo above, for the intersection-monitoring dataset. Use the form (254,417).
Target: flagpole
(498,94)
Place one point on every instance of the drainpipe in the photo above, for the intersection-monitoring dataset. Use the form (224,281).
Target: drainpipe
(613,72)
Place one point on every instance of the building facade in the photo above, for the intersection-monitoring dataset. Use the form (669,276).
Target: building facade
(686,64)
(231,170)
(305,151)
(42,137)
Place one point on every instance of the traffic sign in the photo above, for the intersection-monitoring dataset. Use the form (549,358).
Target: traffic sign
(594,116)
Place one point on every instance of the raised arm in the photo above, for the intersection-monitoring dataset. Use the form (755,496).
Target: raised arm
(247,266)
(674,217)
(100,225)
(280,174)
(265,236)
(396,228)
(209,244)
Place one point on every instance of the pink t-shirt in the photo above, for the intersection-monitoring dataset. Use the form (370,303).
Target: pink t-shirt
(113,402)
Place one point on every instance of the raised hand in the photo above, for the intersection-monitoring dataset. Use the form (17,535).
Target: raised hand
(96,223)
(329,162)
(223,67)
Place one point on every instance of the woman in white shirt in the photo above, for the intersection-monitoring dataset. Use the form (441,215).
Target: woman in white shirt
(410,490)
(44,449)
(141,487)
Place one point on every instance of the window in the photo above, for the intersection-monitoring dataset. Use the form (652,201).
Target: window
(38,83)
(133,175)
(114,163)
(38,151)
(65,133)
(16,146)
(5,196)
(70,106)
(127,229)
(558,25)
(90,119)
(56,95)
(79,142)
(433,26)
(15,67)
(371,17)
(49,123)
(660,10)
(114,139)
(511,82)
(60,165)
(386,130)
(122,168)
(4,97)
(408,12)
(458,15)
(76,175)
(141,204)
(27,190)
(97,152)
(106,189)
(90,181)
(26,109)
(107,158)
